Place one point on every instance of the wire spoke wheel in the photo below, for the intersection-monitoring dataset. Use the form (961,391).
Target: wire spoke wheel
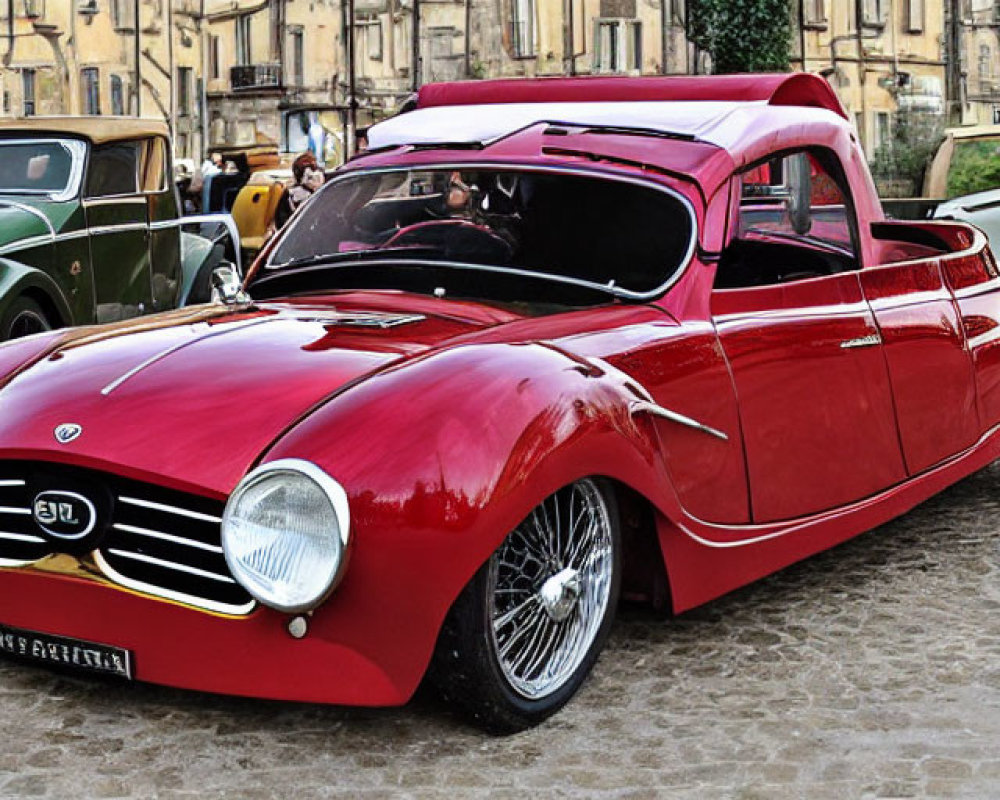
(549,588)
(523,635)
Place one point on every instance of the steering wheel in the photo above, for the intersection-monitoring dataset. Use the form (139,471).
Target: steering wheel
(454,237)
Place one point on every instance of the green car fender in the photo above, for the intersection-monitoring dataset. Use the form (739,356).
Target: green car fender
(199,256)
(18,280)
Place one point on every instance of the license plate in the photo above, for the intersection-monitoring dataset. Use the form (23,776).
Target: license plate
(64,651)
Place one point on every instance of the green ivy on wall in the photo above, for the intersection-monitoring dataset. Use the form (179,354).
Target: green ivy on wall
(742,35)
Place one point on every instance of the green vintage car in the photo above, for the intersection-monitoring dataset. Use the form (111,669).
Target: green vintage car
(90,225)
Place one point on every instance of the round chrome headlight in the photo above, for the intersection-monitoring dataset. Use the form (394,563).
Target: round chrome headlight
(285,532)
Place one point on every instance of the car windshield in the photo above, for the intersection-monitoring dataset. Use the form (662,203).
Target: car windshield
(557,225)
(975,166)
(38,166)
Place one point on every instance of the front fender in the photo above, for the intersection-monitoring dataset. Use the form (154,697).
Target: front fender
(17,279)
(196,252)
(441,457)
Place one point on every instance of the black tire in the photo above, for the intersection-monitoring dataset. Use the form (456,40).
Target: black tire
(23,317)
(468,666)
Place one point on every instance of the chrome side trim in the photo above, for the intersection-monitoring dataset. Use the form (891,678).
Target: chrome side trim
(26,244)
(641,406)
(168,594)
(871,340)
(11,510)
(173,349)
(21,537)
(840,310)
(131,199)
(12,482)
(167,537)
(977,289)
(161,562)
(181,512)
(125,227)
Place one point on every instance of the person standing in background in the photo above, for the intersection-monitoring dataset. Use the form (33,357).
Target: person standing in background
(308,178)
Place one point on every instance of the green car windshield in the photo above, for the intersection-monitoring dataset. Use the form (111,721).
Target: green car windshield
(975,166)
(39,166)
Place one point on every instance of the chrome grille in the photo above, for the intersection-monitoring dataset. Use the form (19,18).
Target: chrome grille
(155,540)
(20,542)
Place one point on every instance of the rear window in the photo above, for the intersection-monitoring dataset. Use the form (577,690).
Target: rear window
(975,166)
(598,230)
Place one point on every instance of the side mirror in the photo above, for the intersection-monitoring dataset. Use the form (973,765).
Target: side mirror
(226,285)
(799,179)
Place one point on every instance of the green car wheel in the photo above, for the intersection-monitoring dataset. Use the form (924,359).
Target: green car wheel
(23,318)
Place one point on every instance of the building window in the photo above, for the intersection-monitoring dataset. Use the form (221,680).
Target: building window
(184,76)
(117,96)
(122,16)
(914,10)
(214,69)
(28,91)
(882,135)
(815,13)
(6,103)
(617,45)
(298,55)
(522,37)
(90,89)
(373,40)
(873,12)
(243,43)
(33,9)
(985,62)
(996,115)
(275,29)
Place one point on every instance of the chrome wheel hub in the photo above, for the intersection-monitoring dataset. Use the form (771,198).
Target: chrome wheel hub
(560,593)
(550,584)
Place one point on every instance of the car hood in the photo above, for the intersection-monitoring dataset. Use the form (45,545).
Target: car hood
(191,398)
(17,223)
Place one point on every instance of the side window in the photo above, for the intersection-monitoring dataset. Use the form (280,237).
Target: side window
(154,166)
(113,170)
(795,221)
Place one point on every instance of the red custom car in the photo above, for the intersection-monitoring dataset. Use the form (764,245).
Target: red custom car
(549,342)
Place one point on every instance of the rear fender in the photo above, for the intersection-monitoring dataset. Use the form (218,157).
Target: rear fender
(441,457)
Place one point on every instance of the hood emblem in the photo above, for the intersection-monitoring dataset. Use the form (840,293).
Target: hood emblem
(67,432)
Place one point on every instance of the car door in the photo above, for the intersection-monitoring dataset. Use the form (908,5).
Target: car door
(164,231)
(930,366)
(117,220)
(802,343)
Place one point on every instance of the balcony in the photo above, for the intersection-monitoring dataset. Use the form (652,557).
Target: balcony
(255,77)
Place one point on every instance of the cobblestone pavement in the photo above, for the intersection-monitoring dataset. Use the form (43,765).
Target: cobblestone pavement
(869,671)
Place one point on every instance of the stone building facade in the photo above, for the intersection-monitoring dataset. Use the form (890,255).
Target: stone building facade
(879,55)
(240,72)
(90,57)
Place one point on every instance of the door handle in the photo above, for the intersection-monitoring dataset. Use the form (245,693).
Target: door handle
(870,340)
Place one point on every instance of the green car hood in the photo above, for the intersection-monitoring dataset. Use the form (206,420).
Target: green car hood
(18,221)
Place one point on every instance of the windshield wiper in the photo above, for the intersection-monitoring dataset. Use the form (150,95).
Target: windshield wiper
(353,255)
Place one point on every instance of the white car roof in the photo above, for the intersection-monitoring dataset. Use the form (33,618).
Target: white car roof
(720,123)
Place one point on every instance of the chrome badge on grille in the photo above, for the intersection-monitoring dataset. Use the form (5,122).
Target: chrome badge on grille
(64,515)
(67,432)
